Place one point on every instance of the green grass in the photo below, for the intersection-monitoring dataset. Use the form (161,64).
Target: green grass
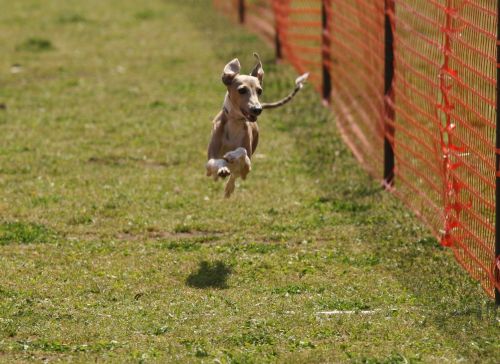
(115,247)
(35,45)
(23,233)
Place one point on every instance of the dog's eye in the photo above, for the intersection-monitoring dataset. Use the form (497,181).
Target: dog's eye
(242,90)
(259,91)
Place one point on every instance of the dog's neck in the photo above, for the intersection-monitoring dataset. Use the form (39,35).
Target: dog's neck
(232,112)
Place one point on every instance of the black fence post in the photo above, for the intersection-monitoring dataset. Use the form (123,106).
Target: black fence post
(497,178)
(278,13)
(326,49)
(389,97)
(241,11)
(277,43)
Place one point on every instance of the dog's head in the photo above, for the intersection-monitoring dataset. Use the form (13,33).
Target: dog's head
(244,90)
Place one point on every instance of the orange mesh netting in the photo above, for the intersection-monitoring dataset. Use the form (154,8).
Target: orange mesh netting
(439,113)
(228,7)
(260,15)
(357,51)
(299,32)
(445,106)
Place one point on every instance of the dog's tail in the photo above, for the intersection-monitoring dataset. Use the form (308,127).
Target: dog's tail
(299,83)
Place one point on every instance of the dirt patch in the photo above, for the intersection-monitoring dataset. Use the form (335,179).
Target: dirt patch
(167,235)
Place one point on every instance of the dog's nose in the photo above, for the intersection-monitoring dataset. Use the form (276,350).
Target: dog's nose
(256,110)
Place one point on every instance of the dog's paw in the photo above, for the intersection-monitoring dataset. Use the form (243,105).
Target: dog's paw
(223,172)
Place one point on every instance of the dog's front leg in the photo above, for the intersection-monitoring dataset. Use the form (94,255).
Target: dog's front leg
(238,162)
(217,168)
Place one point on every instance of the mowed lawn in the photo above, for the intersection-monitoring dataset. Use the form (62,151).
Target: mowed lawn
(115,247)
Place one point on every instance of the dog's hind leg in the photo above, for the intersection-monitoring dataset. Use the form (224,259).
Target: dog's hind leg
(229,189)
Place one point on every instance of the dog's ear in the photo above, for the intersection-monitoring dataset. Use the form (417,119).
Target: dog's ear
(231,70)
(258,71)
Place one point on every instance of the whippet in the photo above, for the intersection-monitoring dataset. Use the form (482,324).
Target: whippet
(235,133)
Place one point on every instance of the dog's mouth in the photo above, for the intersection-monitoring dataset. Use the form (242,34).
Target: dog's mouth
(249,116)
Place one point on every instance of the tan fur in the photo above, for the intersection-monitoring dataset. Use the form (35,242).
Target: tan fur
(235,133)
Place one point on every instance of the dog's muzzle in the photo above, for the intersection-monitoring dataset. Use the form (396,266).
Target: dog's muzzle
(256,110)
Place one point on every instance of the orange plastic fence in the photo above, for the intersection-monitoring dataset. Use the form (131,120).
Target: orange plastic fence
(445,106)
(439,116)
(357,68)
(228,7)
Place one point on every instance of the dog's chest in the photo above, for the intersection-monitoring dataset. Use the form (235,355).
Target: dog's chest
(236,136)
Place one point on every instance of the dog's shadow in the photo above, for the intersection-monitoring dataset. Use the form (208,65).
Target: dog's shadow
(209,275)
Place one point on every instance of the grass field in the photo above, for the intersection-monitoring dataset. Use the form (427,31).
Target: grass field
(115,247)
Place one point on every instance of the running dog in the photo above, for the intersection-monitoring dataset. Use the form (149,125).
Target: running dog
(235,133)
